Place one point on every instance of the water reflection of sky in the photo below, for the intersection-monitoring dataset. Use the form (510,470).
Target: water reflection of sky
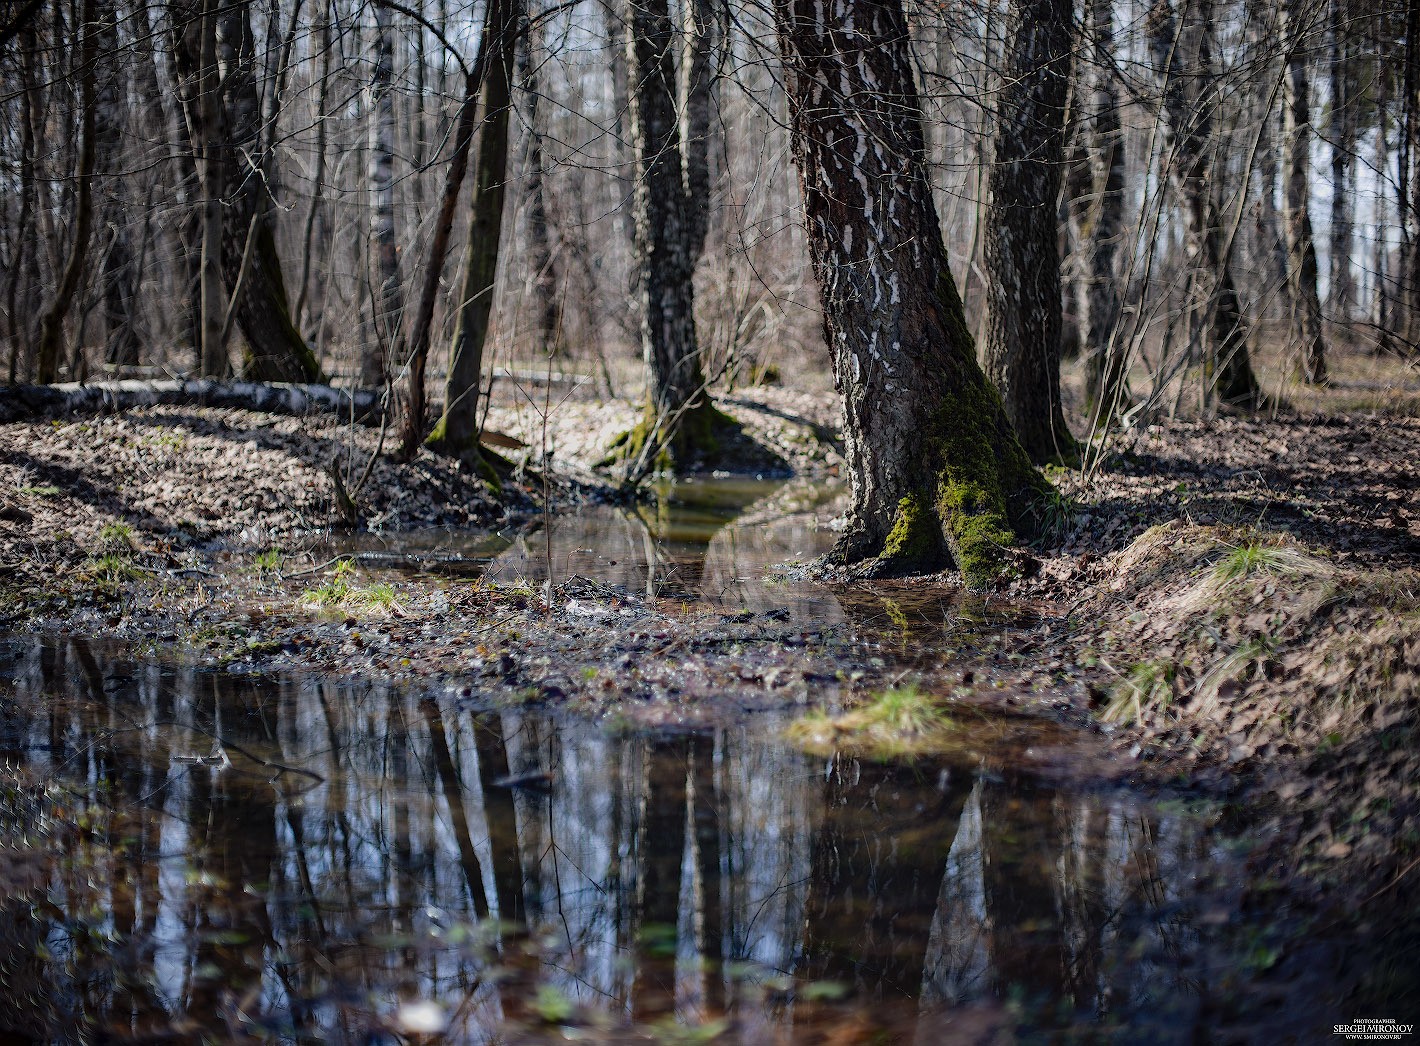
(695,874)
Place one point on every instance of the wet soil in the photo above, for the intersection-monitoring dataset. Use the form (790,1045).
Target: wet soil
(1280,693)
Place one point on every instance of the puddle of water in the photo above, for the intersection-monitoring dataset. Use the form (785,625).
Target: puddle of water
(720,543)
(306,859)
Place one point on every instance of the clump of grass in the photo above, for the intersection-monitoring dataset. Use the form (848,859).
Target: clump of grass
(46,491)
(1055,515)
(1147,688)
(117,534)
(1257,557)
(381,596)
(112,569)
(269,562)
(341,590)
(899,721)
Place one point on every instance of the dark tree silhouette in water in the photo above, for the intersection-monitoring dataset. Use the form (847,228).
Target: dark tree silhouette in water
(936,468)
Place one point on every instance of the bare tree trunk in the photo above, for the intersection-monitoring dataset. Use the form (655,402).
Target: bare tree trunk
(412,425)
(23,270)
(1022,230)
(117,279)
(936,469)
(456,433)
(389,299)
(318,178)
(1342,131)
(275,350)
(670,202)
(542,264)
(1104,352)
(1184,52)
(51,324)
(1301,249)
(208,138)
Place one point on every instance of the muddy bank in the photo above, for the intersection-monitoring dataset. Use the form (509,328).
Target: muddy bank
(1231,607)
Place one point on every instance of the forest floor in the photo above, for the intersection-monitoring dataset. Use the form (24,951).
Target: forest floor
(1235,606)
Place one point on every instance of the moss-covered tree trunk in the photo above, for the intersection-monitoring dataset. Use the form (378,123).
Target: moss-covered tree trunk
(1301,247)
(670,123)
(275,350)
(1184,53)
(1022,231)
(456,433)
(937,472)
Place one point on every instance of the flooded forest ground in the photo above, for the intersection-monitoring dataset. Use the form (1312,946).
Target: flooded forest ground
(627,771)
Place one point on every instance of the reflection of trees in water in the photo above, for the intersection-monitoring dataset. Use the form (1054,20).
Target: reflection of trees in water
(878,859)
(679,852)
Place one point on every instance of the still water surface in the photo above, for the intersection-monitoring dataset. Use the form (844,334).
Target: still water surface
(304,858)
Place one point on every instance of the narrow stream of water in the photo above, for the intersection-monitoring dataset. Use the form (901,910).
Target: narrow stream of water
(312,859)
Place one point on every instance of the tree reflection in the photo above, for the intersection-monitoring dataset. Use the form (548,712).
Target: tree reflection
(878,861)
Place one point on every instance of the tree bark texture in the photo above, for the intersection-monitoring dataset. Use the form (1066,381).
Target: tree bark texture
(670,202)
(117,279)
(22,402)
(412,423)
(1342,130)
(936,469)
(209,133)
(456,433)
(1105,360)
(1022,234)
(542,263)
(51,323)
(1301,248)
(1183,51)
(275,350)
(388,302)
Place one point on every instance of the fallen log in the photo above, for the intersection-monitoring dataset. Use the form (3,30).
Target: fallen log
(20,402)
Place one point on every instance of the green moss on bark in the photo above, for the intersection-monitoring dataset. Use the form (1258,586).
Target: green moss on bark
(700,438)
(486,464)
(986,489)
(915,541)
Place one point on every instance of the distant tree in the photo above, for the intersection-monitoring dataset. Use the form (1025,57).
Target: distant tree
(1023,326)
(669,129)
(1342,130)
(938,475)
(1103,226)
(51,323)
(1301,248)
(1183,53)
(456,433)
(388,299)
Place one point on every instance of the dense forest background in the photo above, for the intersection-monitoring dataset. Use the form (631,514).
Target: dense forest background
(1216,157)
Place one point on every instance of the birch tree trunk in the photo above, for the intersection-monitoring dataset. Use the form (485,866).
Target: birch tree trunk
(542,265)
(1301,248)
(1104,352)
(1022,229)
(1342,132)
(388,298)
(938,475)
(670,203)
(1184,54)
